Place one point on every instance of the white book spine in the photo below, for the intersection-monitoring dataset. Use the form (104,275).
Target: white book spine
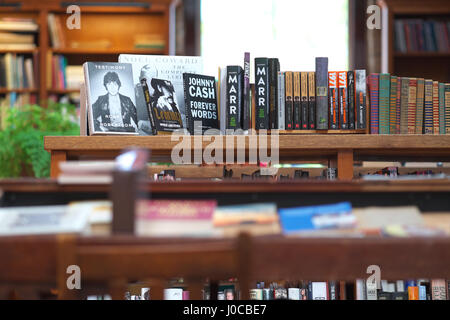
(281,104)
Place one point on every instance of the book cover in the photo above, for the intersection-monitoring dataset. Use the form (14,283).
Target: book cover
(333,288)
(246,112)
(441,108)
(374,84)
(360,289)
(413,293)
(319,291)
(393,105)
(262,93)
(435,107)
(412,101)
(438,289)
(274,67)
(294,293)
(297,101)
(428,106)
(289,101)
(322,93)
(235,82)
(162,105)
(110,98)
(169,68)
(333,100)
(312,100)
(201,102)
(351,99)
(280,294)
(420,105)
(281,107)
(447,108)
(383,112)
(304,100)
(343,100)
(360,99)
(404,106)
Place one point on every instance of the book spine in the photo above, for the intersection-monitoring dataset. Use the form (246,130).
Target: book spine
(413,293)
(262,93)
(246,95)
(360,99)
(189,121)
(149,107)
(297,101)
(322,93)
(281,102)
(333,290)
(312,100)
(435,107)
(393,105)
(419,106)
(428,106)
(404,106)
(234,97)
(289,93)
(441,108)
(304,100)
(398,104)
(374,83)
(351,99)
(333,100)
(222,85)
(383,113)
(447,108)
(343,100)
(274,67)
(412,101)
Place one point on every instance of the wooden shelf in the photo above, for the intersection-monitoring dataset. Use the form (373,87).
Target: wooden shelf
(106,51)
(20,51)
(63,91)
(4,91)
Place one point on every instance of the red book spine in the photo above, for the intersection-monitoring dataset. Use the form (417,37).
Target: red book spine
(398,106)
(333,103)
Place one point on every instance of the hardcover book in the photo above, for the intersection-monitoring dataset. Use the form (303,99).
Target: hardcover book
(393,105)
(351,99)
(360,99)
(281,107)
(441,108)
(169,68)
(312,100)
(297,101)
(343,100)
(274,67)
(447,108)
(419,106)
(435,107)
(222,86)
(262,93)
(322,93)
(304,100)
(246,113)
(201,102)
(438,289)
(383,113)
(428,106)
(110,98)
(163,109)
(398,105)
(333,100)
(404,106)
(374,84)
(412,101)
(235,82)
(319,291)
(289,110)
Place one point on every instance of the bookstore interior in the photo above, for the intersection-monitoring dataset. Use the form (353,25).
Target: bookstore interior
(225,150)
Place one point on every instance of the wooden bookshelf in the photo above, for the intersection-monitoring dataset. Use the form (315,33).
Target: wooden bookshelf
(115,24)
(429,65)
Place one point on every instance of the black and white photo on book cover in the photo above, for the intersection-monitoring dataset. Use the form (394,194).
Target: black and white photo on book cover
(169,68)
(111,99)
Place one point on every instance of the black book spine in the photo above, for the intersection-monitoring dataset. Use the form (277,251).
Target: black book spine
(262,93)
(322,93)
(189,122)
(351,99)
(149,106)
(304,100)
(297,101)
(234,97)
(310,296)
(312,101)
(289,105)
(360,99)
(274,67)
(246,108)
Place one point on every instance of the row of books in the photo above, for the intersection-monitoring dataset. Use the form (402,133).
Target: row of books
(60,75)
(402,105)
(17,41)
(18,71)
(418,35)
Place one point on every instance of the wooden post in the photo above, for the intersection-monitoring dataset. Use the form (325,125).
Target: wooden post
(244,261)
(345,164)
(56,157)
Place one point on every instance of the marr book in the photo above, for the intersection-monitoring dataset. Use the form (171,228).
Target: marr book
(235,82)
(200,96)
(262,93)
(110,98)
(334,102)
(322,93)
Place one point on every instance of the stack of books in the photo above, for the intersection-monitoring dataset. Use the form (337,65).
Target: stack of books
(18,33)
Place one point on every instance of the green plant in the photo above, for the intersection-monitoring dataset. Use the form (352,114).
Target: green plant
(22,138)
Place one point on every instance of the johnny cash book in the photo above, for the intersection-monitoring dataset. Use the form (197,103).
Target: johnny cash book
(235,83)
(322,93)
(262,93)
(110,98)
(200,96)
